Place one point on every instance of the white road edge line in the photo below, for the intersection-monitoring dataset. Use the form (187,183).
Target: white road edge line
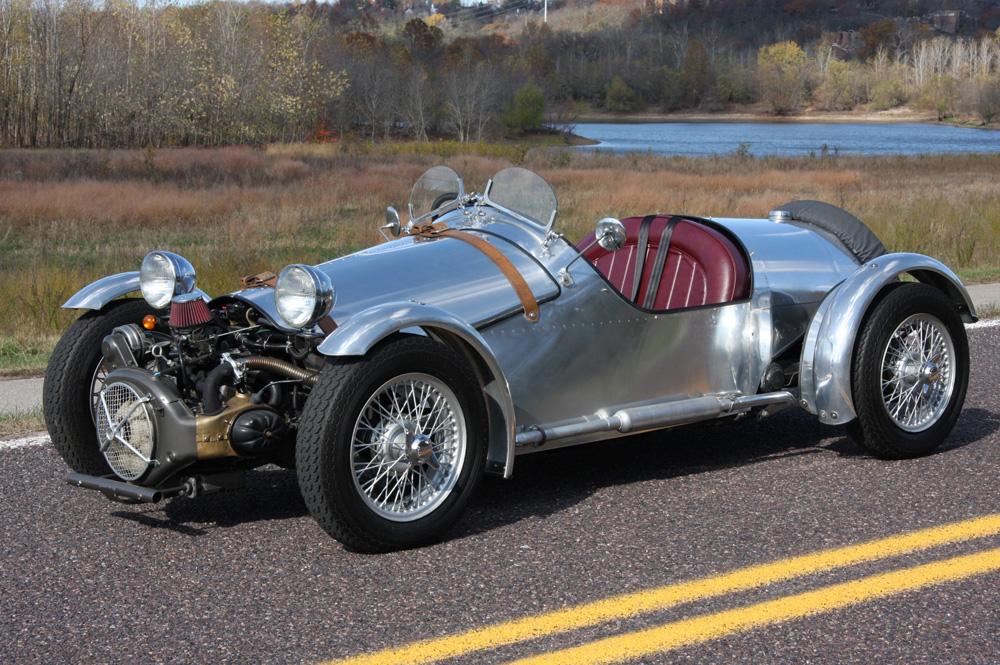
(985,323)
(42,439)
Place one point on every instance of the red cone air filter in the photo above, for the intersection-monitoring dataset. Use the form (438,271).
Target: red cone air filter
(187,312)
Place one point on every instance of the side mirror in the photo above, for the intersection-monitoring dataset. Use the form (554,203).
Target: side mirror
(391,229)
(609,234)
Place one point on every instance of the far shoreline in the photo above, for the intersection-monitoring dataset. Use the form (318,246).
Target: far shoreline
(893,116)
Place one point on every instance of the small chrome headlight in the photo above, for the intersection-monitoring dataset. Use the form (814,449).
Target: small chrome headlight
(303,295)
(164,275)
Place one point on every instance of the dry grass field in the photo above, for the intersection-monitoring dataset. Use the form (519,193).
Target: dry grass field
(68,217)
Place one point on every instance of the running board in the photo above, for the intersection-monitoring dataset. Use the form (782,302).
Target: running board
(651,416)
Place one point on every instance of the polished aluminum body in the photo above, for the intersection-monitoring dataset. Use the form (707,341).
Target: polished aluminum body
(591,351)
(594,365)
(556,368)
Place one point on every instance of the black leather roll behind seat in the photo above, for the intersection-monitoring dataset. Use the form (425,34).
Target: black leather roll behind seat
(838,226)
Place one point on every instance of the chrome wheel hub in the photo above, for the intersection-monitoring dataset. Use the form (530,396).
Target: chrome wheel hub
(408,447)
(401,442)
(918,376)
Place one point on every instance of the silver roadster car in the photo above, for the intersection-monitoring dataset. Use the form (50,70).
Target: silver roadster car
(393,378)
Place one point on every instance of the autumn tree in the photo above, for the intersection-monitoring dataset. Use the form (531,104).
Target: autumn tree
(842,88)
(982,97)
(877,36)
(421,38)
(697,74)
(471,93)
(781,69)
(620,98)
(526,109)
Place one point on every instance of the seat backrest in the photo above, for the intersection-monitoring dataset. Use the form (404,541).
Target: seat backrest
(703,266)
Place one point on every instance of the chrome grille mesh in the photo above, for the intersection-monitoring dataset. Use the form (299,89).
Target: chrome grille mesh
(124,430)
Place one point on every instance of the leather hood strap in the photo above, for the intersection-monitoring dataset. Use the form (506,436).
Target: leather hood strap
(509,270)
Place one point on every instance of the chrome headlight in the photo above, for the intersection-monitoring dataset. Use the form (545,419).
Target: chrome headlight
(164,275)
(303,295)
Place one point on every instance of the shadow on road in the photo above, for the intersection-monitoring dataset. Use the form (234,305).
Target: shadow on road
(973,425)
(270,494)
(549,482)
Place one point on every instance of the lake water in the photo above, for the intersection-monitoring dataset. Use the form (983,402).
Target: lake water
(788,139)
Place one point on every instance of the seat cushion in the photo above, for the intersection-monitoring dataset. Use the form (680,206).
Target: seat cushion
(703,267)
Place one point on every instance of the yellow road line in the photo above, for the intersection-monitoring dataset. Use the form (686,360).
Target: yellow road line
(698,629)
(631,604)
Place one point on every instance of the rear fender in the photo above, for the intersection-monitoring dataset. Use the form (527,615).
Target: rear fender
(99,293)
(364,330)
(828,351)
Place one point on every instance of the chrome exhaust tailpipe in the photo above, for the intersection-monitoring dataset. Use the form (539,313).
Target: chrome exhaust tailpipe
(652,416)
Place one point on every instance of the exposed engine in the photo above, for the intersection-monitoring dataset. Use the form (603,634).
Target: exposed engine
(202,390)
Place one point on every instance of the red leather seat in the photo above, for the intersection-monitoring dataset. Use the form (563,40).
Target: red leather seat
(703,266)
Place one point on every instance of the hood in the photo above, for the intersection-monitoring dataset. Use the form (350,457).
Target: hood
(444,273)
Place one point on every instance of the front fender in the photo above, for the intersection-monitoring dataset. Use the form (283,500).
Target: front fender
(828,350)
(362,331)
(99,293)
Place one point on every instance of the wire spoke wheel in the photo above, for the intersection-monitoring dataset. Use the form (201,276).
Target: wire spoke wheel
(918,373)
(392,445)
(408,447)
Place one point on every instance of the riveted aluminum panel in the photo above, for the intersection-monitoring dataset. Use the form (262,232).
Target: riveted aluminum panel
(593,350)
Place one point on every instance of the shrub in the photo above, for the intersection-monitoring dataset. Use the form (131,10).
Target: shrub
(735,86)
(782,71)
(526,109)
(982,97)
(842,88)
(673,94)
(888,93)
(939,95)
(988,101)
(620,97)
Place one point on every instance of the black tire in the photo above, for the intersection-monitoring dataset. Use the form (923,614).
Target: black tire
(326,430)
(874,429)
(66,391)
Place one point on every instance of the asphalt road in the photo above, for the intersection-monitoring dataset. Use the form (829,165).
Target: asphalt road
(20,395)
(248,577)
